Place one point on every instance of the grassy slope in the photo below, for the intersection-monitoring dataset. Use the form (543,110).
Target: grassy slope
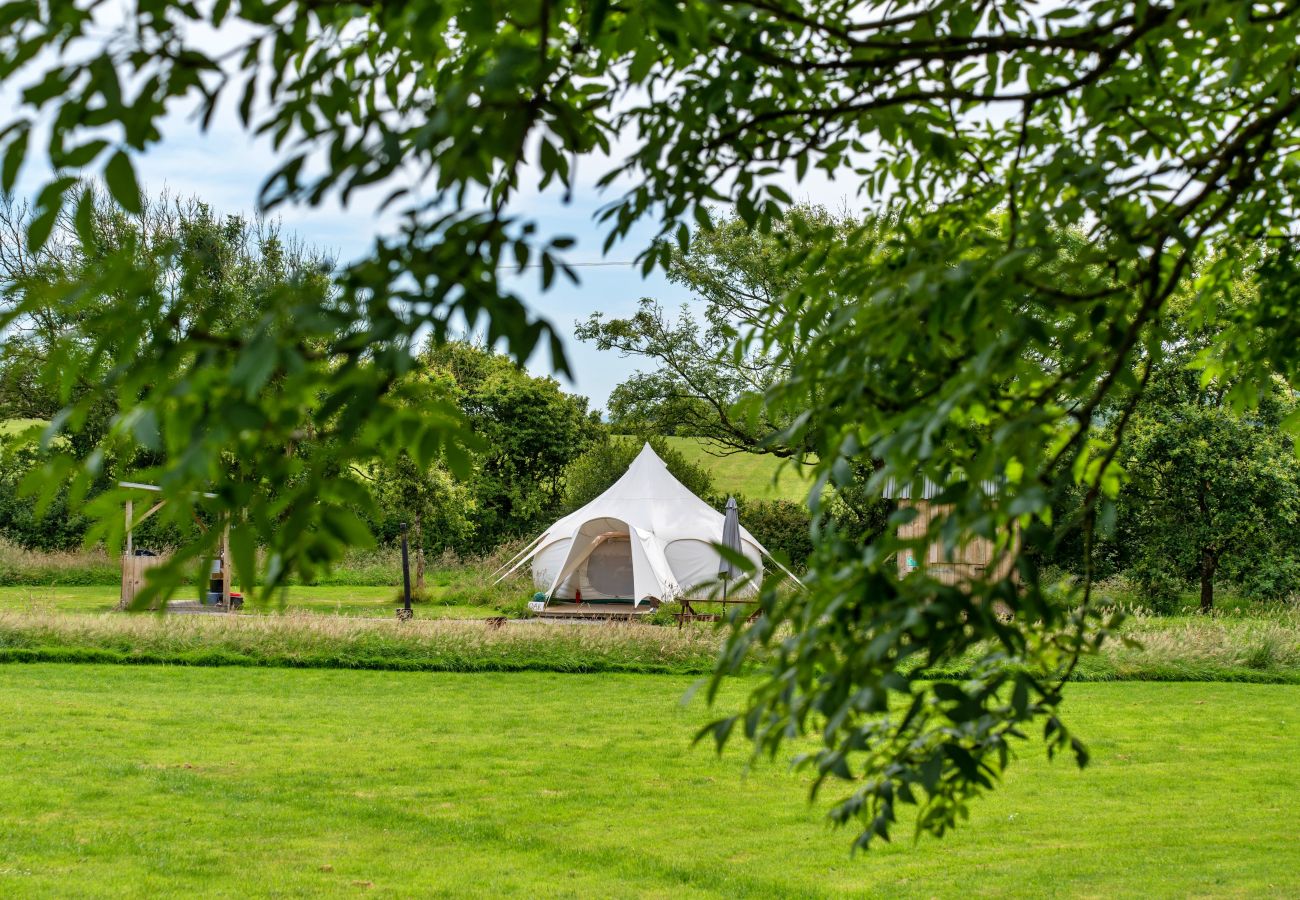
(750,474)
(147,781)
(13,426)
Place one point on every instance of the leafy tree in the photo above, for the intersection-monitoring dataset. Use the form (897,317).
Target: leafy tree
(942,349)
(437,509)
(211,271)
(530,432)
(710,376)
(605,461)
(1207,485)
(199,264)
(61,528)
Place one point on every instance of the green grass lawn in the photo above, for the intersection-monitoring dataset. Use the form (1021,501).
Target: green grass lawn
(326,599)
(754,475)
(153,780)
(13,426)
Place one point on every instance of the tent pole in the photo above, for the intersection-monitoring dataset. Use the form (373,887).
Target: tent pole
(788,573)
(527,547)
(514,567)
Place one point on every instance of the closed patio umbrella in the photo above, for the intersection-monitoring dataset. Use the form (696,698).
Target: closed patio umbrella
(730,540)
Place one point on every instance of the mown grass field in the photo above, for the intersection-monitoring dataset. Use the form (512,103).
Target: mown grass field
(754,475)
(153,780)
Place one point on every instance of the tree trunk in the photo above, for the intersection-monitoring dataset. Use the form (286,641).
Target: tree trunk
(1209,562)
(417,532)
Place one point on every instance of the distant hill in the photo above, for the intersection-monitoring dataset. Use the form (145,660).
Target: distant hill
(750,474)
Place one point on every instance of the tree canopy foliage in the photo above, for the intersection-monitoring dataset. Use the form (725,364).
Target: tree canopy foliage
(710,374)
(529,432)
(963,345)
(1207,485)
(207,271)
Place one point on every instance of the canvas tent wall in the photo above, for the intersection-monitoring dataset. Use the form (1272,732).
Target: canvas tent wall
(646,538)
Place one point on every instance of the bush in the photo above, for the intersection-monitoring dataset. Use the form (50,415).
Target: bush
(781,526)
(1159,587)
(62,527)
(1270,578)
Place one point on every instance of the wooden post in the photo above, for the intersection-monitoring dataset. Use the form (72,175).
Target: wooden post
(418,530)
(405,614)
(128,563)
(225,566)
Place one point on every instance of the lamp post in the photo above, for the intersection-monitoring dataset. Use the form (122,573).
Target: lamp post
(404,614)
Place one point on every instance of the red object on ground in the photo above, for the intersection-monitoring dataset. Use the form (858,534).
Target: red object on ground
(577,596)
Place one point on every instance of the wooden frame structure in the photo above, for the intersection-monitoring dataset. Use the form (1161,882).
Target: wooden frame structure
(688,613)
(975,558)
(134,567)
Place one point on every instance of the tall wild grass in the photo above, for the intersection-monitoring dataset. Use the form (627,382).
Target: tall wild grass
(468,579)
(315,641)
(1262,649)
(52,567)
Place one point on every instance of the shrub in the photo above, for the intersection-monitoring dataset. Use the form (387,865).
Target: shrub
(1159,587)
(781,526)
(1270,577)
(63,527)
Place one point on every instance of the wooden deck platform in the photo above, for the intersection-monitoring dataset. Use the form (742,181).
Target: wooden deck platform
(565,609)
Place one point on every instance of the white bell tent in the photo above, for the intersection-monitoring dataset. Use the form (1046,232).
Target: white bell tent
(646,538)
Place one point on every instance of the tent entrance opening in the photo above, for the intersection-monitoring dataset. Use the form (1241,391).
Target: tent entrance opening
(609,567)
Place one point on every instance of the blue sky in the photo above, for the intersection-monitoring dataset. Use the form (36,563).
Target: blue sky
(225,168)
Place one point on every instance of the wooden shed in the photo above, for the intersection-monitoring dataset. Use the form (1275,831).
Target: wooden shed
(136,563)
(974,558)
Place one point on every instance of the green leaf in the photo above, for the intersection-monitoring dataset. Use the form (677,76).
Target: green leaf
(243,550)
(255,365)
(119,175)
(596,20)
(41,226)
(83,155)
(13,161)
